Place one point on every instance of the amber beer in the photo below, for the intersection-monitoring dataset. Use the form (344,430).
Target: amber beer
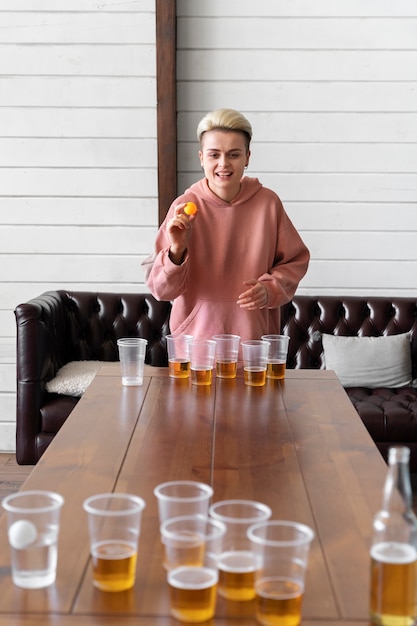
(114,565)
(237,575)
(179,368)
(393,584)
(201,376)
(226,369)
(255,376)
(193,593)
(275,369)
(278,602)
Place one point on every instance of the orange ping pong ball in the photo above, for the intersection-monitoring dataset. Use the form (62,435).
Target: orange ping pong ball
(190,208)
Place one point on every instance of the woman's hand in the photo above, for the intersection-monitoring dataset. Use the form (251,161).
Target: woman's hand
(254,298)
(179,230)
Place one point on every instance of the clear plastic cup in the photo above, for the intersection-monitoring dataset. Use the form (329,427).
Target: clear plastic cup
(277,355)
(255,354)
(237,562)
(114,521)
(282,551)
(178,348)
(132,351)
(192,540)
(182,497)
(202,361)
(227,349)
(33,527)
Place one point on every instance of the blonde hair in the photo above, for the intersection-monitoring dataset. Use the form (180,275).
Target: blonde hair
(225,119)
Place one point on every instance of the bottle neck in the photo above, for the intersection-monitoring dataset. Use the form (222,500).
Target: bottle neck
(397,490)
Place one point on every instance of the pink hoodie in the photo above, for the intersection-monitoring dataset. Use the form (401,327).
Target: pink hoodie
(251,237)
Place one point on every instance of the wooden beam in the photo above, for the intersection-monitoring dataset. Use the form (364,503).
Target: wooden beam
(166,104)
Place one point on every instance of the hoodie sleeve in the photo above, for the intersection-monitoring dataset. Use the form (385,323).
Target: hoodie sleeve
(165,279)
(290,265)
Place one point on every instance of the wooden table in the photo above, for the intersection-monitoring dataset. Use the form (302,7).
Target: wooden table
(296,445)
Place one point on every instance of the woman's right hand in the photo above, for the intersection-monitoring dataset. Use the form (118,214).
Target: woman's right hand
(179,229)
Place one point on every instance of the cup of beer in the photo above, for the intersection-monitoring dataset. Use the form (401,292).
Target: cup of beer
(182,497)
(178,348)
(192,540)
(227,349)
(282,551)
(193,593)
(277,355)
(236,563)
(114,521)
(202,361)
(255,354)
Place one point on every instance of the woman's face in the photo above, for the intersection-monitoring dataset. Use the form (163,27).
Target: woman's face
(224,156)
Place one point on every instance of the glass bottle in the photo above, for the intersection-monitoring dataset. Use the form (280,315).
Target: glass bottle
(394,548)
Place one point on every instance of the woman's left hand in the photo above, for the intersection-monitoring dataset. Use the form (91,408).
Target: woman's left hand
(254,298)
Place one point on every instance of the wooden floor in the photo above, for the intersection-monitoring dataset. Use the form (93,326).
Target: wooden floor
(12,475)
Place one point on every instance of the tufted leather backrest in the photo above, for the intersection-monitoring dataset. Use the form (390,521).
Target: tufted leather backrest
(65,326)
(96,320)
(62,326)
(306,317)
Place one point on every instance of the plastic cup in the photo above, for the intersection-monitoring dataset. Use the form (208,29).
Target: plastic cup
(237,563)
(202,361)
(192,540)
(227,349)
(182,497)
(132,352)
(33,528)
(114,527)
(255,354)
(277,355)
(282,551)
(178,347)
(193,593)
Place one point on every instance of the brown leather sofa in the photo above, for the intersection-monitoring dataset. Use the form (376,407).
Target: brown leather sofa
(62,326)
(390,415)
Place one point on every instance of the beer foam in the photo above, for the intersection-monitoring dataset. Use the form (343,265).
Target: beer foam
(22,534)
(394,552)
(189,577)
(237,561)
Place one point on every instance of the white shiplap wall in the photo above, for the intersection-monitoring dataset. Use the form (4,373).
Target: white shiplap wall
(330,87)
(78,156)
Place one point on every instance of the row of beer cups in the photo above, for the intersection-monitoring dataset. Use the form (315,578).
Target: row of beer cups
(231,548)
(199,358)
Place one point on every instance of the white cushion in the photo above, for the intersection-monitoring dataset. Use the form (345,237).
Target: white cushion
(73,378)
(369,361)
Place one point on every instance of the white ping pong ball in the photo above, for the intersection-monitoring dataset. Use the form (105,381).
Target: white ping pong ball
(22,533)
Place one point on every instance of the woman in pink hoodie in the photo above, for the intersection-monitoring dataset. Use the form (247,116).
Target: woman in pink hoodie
(229,267)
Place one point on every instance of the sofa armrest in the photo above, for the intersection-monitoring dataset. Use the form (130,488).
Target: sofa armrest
(63,326)
(40,334)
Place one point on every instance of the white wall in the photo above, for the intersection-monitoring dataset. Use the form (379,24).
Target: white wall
(330,87)
(331,90)
(78,156)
